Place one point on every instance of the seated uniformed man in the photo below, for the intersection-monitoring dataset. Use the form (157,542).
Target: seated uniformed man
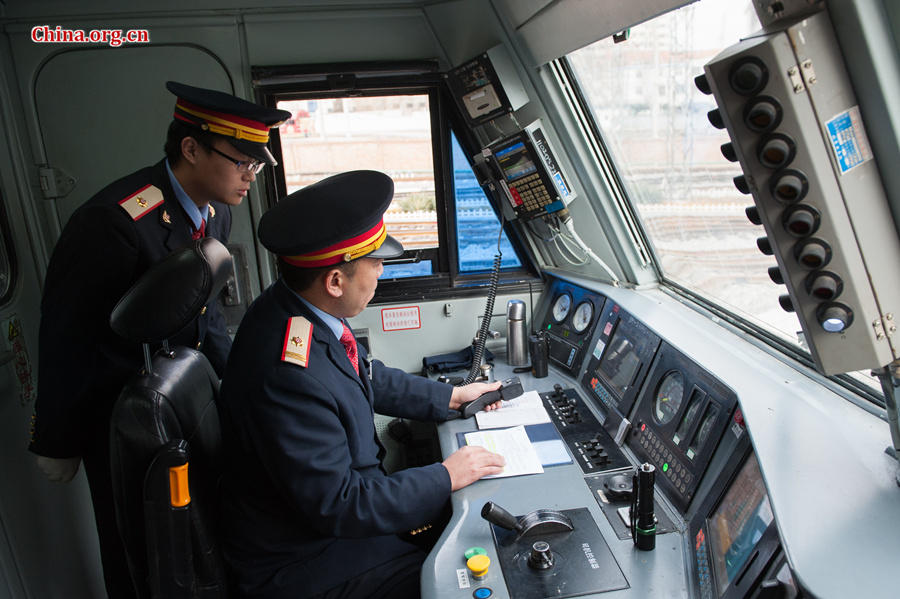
(216,144)
(308,509)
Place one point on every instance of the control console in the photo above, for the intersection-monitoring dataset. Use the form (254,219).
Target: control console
(593,448)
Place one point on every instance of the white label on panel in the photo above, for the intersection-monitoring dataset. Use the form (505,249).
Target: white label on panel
(400,319)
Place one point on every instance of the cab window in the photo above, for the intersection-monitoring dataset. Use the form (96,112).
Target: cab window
(400,125)
(653,121)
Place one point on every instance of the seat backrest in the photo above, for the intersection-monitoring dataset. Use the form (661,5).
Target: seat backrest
(165,436)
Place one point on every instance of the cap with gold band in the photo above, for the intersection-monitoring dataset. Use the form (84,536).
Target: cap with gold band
(338,219)
(244,124)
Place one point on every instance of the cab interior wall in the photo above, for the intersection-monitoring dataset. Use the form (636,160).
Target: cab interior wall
(218,48)
(798,421)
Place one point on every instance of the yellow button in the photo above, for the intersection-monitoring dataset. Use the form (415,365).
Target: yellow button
(478,565)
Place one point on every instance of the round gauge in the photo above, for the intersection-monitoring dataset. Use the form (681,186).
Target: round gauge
(561,307)
(669,395)
(584,312)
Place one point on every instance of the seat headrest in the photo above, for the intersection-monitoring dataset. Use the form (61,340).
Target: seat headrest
(172,292)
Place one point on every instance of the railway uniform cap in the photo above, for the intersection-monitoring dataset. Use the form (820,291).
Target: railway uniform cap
(245,124)
(335,220)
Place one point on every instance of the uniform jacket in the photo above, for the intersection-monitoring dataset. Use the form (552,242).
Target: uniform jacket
(102,251)
(306,501)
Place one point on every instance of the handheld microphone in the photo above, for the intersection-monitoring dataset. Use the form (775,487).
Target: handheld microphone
(643,519)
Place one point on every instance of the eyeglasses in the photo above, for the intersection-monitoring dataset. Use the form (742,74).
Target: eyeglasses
(244,166)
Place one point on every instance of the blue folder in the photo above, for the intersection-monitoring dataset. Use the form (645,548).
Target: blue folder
(546,440)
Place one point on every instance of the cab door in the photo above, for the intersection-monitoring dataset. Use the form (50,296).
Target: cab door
(48,543)
(75,119)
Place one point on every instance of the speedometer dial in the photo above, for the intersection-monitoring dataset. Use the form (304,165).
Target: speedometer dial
(561,307)
(669,396)
(581,319)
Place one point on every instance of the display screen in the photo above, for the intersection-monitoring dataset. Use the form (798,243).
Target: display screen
(619,364)
(738,523)
(515,161)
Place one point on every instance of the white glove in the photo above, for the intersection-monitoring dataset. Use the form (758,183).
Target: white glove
(59,470)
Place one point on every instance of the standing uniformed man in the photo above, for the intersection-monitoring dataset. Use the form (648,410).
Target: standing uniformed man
(216,145)
(308,509)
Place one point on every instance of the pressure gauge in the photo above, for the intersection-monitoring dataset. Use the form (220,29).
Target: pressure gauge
(669,395)
(561,307)
(581,319)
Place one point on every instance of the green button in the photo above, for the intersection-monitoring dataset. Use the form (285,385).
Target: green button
(473,551)
(666,467)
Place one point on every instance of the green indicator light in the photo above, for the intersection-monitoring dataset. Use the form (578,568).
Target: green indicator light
(666,467)
(548,327)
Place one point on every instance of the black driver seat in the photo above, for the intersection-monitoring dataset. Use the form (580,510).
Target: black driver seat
(165,421)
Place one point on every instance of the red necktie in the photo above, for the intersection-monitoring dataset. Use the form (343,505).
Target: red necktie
(198,233)
(349,343)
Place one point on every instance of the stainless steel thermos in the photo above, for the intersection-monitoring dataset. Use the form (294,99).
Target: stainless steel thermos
(516,334)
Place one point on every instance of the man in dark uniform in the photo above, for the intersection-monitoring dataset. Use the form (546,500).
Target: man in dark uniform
(308,509)
(215,146)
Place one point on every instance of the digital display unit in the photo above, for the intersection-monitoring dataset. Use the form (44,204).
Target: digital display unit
(529,173)
(738,524)
(619,363)
(515,161)
(735,540)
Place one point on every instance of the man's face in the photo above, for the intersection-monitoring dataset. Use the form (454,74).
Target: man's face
(219,177)
(359,285)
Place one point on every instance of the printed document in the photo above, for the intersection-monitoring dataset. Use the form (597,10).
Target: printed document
(515,447)
(525,409)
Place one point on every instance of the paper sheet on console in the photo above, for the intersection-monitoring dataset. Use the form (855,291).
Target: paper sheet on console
(525,409)
(515,447)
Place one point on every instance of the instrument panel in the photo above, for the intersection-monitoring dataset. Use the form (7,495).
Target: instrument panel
(619,362)
(673,411)
(570,323)
(681,414)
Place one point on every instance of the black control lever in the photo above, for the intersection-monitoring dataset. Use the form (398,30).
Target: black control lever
(509,389)
(537,522)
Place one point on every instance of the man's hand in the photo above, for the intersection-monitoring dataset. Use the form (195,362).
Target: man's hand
(59,470)
(469,463)
(471,392)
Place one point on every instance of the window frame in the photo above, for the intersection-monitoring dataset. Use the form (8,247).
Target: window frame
(338,80)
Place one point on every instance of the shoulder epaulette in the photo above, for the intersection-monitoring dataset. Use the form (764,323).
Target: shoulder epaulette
(296,341)
(142,202)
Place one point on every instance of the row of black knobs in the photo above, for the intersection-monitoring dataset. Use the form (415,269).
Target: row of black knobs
(775,150)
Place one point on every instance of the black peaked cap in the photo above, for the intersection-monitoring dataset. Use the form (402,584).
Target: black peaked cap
(328,212)
(227,106)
